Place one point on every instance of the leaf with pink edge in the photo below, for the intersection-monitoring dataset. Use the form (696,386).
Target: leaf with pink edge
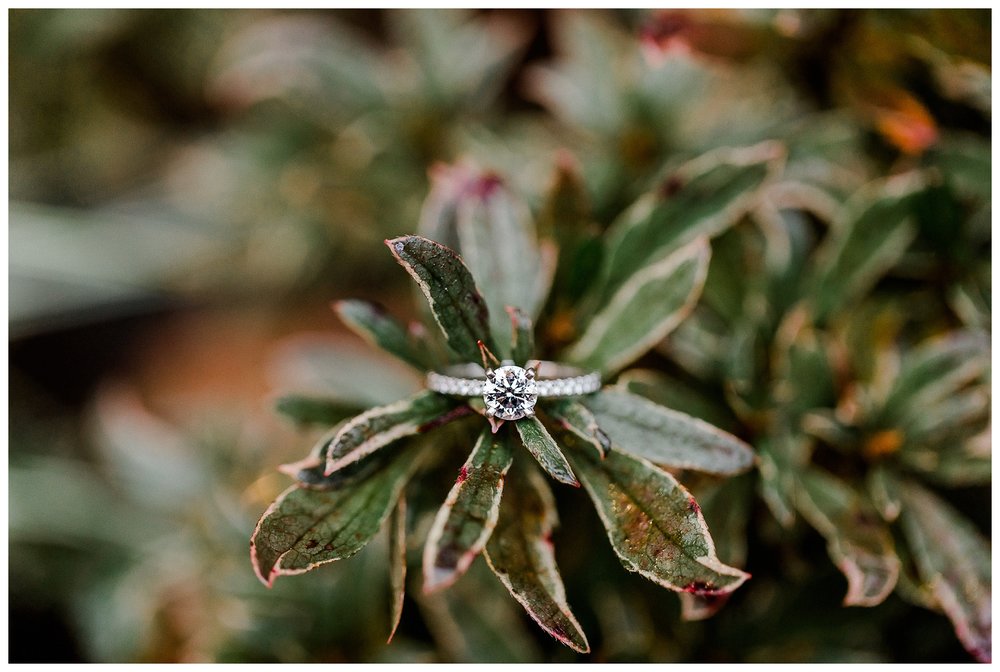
(953,561)
(858,541)
(520,553)
(466,520)
(726,507)
(307,527)
(378,427)
(457,305)
(654,524)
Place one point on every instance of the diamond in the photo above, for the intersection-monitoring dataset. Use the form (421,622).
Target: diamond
(509,393)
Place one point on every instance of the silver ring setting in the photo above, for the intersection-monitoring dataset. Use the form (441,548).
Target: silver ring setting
(510,392)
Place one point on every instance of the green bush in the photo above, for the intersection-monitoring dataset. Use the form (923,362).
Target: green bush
(769,230)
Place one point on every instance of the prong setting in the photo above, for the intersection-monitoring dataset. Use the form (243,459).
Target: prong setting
(510,393)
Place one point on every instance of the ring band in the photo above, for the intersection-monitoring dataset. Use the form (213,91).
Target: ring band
(510,391)
(554,380)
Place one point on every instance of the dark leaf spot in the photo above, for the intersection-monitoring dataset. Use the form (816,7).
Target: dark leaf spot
(671,186)
(699,587)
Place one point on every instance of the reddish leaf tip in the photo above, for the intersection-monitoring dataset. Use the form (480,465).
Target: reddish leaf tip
(486,185)
(565,160)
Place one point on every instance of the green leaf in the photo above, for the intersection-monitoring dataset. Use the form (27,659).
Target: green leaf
(308,410)
(801,364)
(664,436)
(653,523)
(953,560)
(380,426)
(498,241)
(700,198)
(965,409)
(966,161)
(955,462)
(522,345)
(884,493)
(371,322)
(520,553)
(397,565)
(565,217)
(577,418)
(781,456)
(467,518)
(678,395)
(456,303)
(859,543)
(463,58)
(581,88)
(869,235)
(305,528)
(644,310)
(321,67)
(933,372)
(311,472)
(543,447)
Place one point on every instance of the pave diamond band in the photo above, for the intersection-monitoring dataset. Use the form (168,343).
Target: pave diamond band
(510,392)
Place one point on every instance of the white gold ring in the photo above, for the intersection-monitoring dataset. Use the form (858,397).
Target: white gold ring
(510,392)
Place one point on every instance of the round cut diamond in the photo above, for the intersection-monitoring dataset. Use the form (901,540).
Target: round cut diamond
(510,393)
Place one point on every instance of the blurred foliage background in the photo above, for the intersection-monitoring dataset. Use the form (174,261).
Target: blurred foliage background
(190,189)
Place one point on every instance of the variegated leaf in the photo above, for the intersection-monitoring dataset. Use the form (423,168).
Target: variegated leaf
(644,310)
(305,527)
(933,372)
(451,292)
(543,447)
(870,234)
(498,241)
(953,560)
(664,436)
(701,198)
(726,508)
(466,520)
(654,524)
(577,418)
(373,323)
(678,395)
(781,456)
(522,345)
(520,553)
(858,541)
(380,426)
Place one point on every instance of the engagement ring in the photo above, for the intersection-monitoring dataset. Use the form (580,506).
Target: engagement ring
(510,392)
